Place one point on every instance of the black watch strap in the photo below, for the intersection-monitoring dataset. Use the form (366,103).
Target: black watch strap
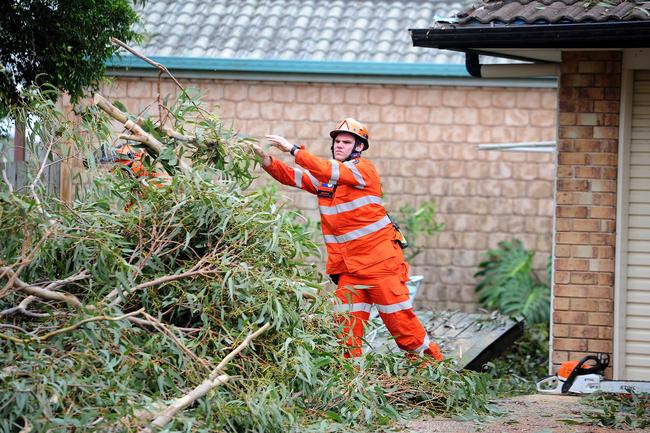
(293,150)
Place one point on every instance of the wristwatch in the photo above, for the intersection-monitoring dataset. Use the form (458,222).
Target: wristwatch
(293,150)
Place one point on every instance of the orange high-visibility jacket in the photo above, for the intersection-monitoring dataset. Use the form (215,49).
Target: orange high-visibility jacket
(357,231)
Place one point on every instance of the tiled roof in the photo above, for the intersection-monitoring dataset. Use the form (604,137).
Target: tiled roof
(325,30)
(553,11)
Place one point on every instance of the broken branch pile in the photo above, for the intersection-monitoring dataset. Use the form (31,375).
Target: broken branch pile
(187,306)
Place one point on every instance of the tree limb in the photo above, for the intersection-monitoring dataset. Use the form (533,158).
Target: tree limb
(113,295)
(214,380)
(22,308)
(40,291)
(147,139)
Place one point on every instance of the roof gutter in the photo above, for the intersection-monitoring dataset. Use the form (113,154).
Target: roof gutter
(517,70)
(602,35)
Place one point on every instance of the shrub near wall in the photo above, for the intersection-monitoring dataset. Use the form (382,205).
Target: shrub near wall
(423,143)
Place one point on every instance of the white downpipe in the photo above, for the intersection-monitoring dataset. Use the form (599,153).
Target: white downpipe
(526,146)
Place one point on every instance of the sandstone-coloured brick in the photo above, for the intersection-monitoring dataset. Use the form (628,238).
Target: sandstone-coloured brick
(572,185)
(405,97)
(543,118)
(235,92)
(454,98)
(309,94)
(570,290)
(572,212)
(356,95)
(605,333)
(606,252)
(260,93)
(529,99)
(248,110)
(474,240)
(227,109)
(381,131)
(601,239)
(417,114)
(441,115)
(560,330)
(514,157)
(500,170)
(503,99)
(491,116)
(307,130)
(517,117)
(405,132)
(438,151)
(563,251)
(608,80)
(439,187)
(393,114)
(584,251)
(549,100)
(334,94)
(139,89)
(465,116)
(477,135)
(286,129)
(605,305)
(503,134)
(429,132)
(479,98)
(271,110)
(429,97)
(454,134)
(320,113)
(513,189)
(539,189)
(415,186)
(603,185)
(368,114)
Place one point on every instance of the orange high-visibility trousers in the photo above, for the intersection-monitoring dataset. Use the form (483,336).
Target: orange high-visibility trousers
(384,285)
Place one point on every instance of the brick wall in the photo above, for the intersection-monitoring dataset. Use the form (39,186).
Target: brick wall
(423,142)
(586,204)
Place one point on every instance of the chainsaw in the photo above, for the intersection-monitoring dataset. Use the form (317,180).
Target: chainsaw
(587,376)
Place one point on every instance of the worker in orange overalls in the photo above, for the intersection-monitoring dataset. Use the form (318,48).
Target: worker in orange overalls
(364,255)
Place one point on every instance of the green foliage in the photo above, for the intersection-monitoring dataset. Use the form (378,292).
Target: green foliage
(64,43)
(417,224)
(509,284)
(112,376)
(620,411)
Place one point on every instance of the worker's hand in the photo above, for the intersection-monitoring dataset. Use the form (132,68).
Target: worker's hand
(266,159)
(279,142)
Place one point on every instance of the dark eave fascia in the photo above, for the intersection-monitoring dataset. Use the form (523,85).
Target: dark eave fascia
(628,34)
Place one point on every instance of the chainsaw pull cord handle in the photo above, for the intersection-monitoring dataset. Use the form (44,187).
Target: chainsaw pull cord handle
(602,361)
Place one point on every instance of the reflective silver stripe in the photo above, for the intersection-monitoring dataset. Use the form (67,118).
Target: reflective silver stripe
(335,171)
(313,180)
(352,308)
(297,172)
(394,308)
(356,173)
(425,345)
(356,234)
(350,205)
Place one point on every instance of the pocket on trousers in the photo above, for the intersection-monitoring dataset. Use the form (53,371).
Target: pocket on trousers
(398,288)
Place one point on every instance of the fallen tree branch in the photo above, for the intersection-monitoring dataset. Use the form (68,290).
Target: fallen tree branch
(113,295)
(41,292)
(22,309)
(214,380)
(143,322)
(146,138)
(70,328)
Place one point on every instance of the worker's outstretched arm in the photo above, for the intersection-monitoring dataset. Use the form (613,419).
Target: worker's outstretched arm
(328,171)
(286,175)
